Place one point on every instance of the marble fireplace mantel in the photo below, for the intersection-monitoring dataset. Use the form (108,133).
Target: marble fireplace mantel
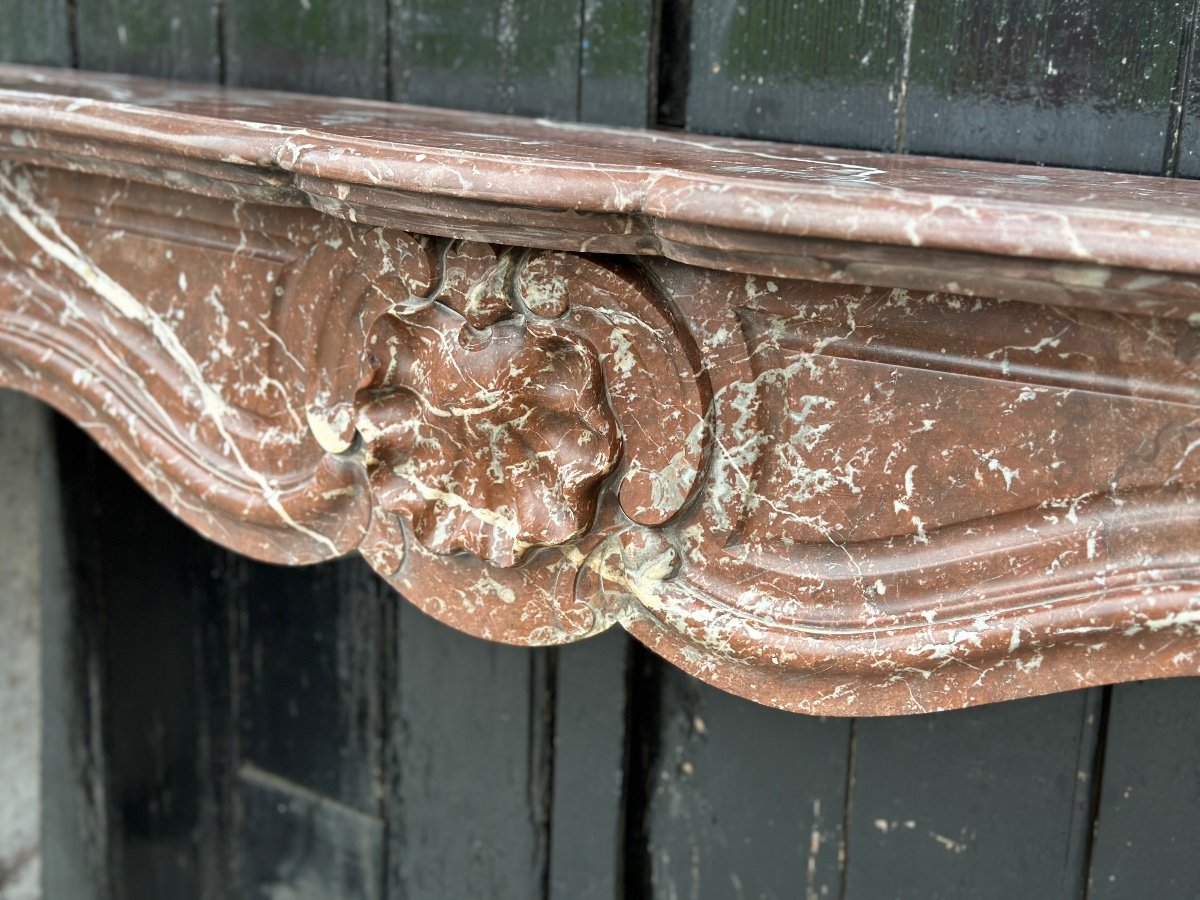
(841,432)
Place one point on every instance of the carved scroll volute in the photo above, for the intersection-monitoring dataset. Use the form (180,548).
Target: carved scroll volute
(497,413)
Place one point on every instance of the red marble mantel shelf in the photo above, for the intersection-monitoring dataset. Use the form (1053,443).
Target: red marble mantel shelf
(841,432)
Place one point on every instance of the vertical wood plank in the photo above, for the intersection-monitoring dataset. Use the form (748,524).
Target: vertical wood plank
(75,824)
(23,445)
(1147,832)
(817,71)
(311,656)
(672,67)
(1183,148)
(164,38)
(511,56)
(1050,81)
(152,605)
(745,801)
(991,802)
(589,768)
(35,32)
(304,845)
(471,749)
(311,652)
(319,46)
(615,79)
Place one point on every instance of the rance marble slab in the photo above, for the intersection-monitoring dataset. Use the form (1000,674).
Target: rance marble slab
(840,432)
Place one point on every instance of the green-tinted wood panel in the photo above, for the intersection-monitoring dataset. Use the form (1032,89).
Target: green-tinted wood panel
(991,802)
(35,32)
(817,71)
(470,803)
(1147,840)
(744,801)
(1048,81)
(510,56)
(615,79)
(319,46)
(1184,157)
(164,38)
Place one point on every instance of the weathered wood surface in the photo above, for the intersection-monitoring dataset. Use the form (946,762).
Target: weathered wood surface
(1079,84)
(942,806)
(1145,830)
(167,38)
(24,446)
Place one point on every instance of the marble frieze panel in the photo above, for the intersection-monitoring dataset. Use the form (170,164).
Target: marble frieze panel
(843,433)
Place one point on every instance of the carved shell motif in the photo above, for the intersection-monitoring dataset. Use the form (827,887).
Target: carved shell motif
(491,410)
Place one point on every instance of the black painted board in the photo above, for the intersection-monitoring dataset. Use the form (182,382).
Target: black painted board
(990,802)
(152,605)
(615,75)
(744,801)
(672,62)
(816,71)
(336,47)
(586,827)
(1147,837)
(163,38)
(514,56)
(1183,156)
(1044,81)
(35,32)
(471,746)
(306,846)
(311,645)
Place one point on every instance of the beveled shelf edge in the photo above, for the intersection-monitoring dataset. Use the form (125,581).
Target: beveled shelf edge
(1077,238)
(656,535)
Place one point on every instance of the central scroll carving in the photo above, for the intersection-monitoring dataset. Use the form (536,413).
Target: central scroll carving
(491,410)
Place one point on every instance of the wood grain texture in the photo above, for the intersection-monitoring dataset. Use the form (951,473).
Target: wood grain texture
(987,803)
(744,801)
(24,449)
(157,682)
(72,780)
(1146,831)
(311,645)
(587,819)
(616,82)
(300,844)
(516,56)
(471,761)
(166,38)
(36,32)
(322,48)
(817,71)
(1051,82)
(1183,154)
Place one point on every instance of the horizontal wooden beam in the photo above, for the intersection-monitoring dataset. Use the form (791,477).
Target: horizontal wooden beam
(841,432)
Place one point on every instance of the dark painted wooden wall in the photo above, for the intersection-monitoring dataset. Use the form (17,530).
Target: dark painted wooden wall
(248,731)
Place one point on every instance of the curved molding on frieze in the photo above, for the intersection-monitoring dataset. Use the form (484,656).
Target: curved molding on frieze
(836,498)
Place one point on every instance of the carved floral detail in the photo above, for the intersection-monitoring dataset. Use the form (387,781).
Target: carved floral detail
(486,431)
(490,442)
